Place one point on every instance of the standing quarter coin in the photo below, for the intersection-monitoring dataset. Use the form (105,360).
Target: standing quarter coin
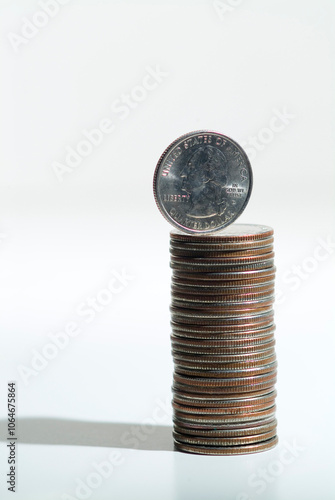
(202,182)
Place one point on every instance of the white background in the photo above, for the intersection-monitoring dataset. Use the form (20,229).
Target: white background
(232,70)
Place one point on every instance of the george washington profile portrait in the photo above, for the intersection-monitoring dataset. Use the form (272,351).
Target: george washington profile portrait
(204,178)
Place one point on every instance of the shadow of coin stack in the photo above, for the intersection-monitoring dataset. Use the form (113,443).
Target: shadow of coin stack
(223,340)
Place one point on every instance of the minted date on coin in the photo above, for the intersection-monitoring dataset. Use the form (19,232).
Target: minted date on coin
(202,182)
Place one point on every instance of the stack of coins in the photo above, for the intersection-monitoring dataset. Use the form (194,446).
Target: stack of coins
(223,340)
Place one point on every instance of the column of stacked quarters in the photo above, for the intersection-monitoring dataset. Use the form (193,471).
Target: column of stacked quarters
(223,342)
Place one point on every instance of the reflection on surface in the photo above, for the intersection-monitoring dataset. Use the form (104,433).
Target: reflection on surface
(224,477)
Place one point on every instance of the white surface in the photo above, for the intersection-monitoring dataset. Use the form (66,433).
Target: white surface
(61,241)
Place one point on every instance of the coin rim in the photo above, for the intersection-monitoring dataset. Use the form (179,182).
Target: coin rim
(157,197)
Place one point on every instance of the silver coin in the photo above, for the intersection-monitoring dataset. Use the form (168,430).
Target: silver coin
(185,351)
(227,450)
(226,441)
(202,182)
(201,246)
(236,233)
(227,275)
(224,390)
(207,401)
(220,259)
(250,327)
(179,350)
(214,359)
(224,372)
(215,289)
(226,429)
(249,334)
(242,380)
(233,322)
(256,416)
(221,267)
(237,314)
(186,250)
(207,304)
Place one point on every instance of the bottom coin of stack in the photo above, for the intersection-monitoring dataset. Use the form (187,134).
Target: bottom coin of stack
(223,341)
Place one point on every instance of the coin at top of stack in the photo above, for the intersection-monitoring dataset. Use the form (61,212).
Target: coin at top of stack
(223,340)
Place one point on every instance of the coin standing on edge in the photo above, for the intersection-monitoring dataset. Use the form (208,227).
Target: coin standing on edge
(202,182)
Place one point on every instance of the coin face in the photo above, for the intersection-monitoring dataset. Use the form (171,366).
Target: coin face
(202,182)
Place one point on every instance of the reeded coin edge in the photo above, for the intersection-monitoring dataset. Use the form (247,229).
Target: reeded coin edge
(157,171)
